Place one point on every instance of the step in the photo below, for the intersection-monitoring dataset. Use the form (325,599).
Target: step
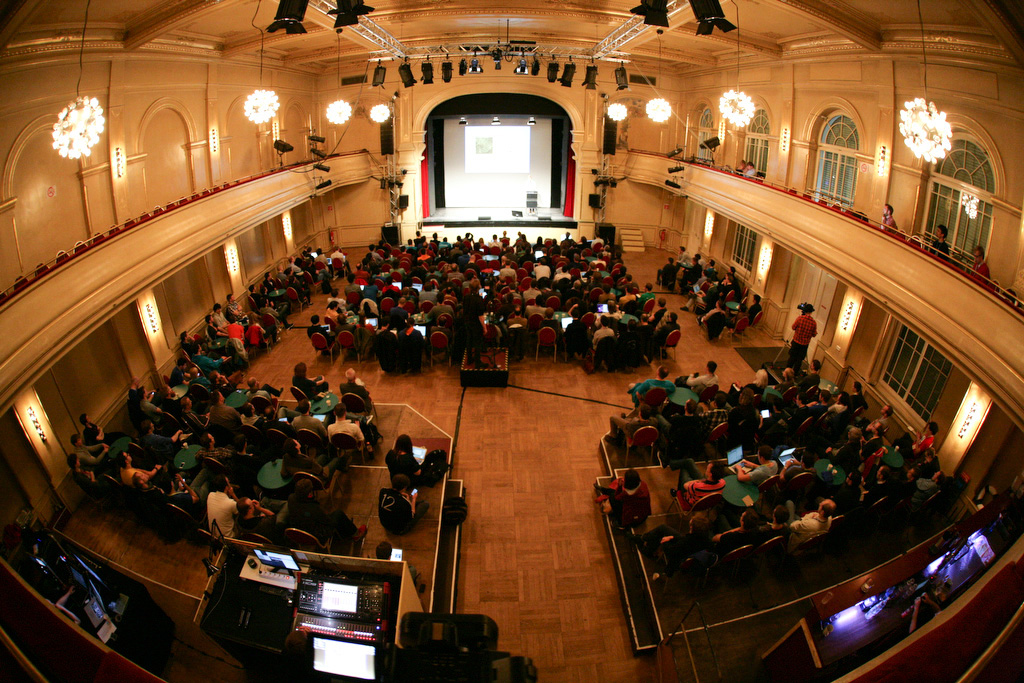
(632,240)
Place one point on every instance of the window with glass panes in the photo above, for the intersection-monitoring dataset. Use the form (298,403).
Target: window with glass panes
(743,248)
(966,170)
(837,170)
(917,372)
(706,132)
(757,141)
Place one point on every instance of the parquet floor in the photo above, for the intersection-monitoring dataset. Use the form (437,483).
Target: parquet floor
(534,555)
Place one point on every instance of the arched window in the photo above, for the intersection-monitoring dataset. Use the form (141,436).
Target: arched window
(706,132)
(965,173)
(757,141)
(837,170)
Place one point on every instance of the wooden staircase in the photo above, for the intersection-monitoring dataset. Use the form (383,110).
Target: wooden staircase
(632,239)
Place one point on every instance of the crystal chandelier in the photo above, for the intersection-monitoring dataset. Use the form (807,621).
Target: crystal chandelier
(261,106)
(339,112)
(737,108)
(970,204)
(925,130)
(78,127)
(380,113)
(617,111)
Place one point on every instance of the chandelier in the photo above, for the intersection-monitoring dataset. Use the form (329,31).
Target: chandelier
(970,204)
(737,108)
(380,113)
(617,111)
(261,106)
(925,130)
(659,110)
(339,112)
(78,127)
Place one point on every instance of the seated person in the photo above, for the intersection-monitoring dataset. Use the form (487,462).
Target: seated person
(397,508)
(306,421)
(627,426)
(926,487)
(222,507)
(804,463)
(342,425)
(759,472)
(629,499)
(848,496)
(90,457)
(747,533)
(716,320)
(86,479)
(925,438)
(693,488)
(639,389)
(698,382)
(304,512)
(674,546)
(354,385)
(310,387)
(811,524)
(126,471)
(315,326)
(812,379)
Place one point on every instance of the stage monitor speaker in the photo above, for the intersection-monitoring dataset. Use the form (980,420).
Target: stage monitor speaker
(389,233)
(403,201)
(606,231)
(611,133)
(711,143)
(387,137)
(595,201)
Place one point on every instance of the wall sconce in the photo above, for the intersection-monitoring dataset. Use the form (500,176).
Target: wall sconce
(286,221)
(969,417)
(152,318)
(275,130)
(784,141)
(721,129)
(883,159)
(34,419)
(214,140)
(765,261)
(119,162)
(848,312)
(231,256)
(709,225)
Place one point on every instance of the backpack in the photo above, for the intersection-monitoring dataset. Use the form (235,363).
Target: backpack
(454,511)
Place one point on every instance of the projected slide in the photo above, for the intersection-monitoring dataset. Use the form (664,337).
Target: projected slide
(497,149)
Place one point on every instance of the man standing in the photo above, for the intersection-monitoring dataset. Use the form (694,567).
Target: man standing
(804,329)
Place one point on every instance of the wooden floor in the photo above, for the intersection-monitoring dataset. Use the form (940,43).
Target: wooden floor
(534,556)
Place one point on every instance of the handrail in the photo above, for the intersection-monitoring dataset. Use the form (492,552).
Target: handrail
(22,282)
(985,657)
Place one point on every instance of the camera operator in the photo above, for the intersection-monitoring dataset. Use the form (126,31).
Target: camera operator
(804,329)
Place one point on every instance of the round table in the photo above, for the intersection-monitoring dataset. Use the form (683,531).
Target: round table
(732,305)
(892,457)
(626,317)
(837,478)
(236,399)
(681,395)
(276,293)
(180,390)
(186,457)
(322,406)
(218,343)
(738,493)
(119,447)
(270,477)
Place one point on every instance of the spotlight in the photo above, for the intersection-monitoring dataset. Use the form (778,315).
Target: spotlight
(321,167)
(523,68)
(535,67)
(379,73)
(446,72)
(474,66)
(670,183)
(405,73)
(495,121)
(676,169)
(383,183)
(568,71)
(348,12)
(532,122)
(590,80)
(621,79)
(463,121)
(496,55)
(655,12)
(613,182)
(326,183)
(282,147)
(552,72)
(709,14)
(316,138)
(674,152)
(427,73)
(317,153)
(290,14)
(462,67)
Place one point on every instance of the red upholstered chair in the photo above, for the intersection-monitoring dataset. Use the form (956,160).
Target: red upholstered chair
(320,344)
(338,264)
(409,307)
(649,305)
(554,302)
(298,394)
(790,394)
(293,297)
(439,342)
(353,298)
(302,540)
(354,403)
(735,557)
(347,341)
(386,305)
(309,439)
(655,396)
(596,293)
(588,319)
(546,337)
(742,324)
(671,342)
(709,393)
(730,295)
(757,318)
(534,322)
(425,306)
(642,438)
(708,502)
(445,320)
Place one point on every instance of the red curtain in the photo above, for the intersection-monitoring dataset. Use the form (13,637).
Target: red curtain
(570,184)
(425,183)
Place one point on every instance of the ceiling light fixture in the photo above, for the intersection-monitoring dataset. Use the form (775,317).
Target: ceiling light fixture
(290,14)
(348,13)
(552,71)
(339,111)
(261,105)
(568,71)
(924,128)
(462,67)
(590,79)
(405,73)
(79,124)
(621,78)
(380,113)
(735,105)
(446,70)
(523,69)
(617,111)
(463,121)
(496,56)
(658,109)
(970,204)
(379,74)
(474,66)
(654,12)
(495,121)
(535,66)
(531,121)
(427,73)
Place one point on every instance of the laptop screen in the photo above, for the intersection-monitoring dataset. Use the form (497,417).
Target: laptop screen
(696,289)
(422,329)
(339,658)
(276,558)
(735,455)
(372,322)
(538,254)
(786,455)
(419,453)
(566,321)
(602,308)
(417,286)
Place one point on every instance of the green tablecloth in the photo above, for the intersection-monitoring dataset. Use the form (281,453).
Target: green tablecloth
(732,305)
(180,390)
(270,477)
(322,406)
(236,399)
(119,447)
(739,493)
(218,343)
(626,317)
(186,457)
(837,477)
(892,457)
(276,293)
(681,395)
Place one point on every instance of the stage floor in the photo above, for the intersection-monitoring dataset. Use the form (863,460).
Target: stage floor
(500,213)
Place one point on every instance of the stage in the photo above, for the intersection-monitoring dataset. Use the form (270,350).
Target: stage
(484,222)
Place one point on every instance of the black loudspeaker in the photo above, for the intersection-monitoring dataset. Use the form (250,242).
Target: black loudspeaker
(390,234)
(711,143)
(403,201)
(595,201)
(387,137)
(606,231)
(611,133)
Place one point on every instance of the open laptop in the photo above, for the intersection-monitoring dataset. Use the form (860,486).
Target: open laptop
(422,329)
(566,321)
(786,455)
(735,455)
(538,254)
(602,308)
(417,286)
(372,322)
(420,454)
(696,289)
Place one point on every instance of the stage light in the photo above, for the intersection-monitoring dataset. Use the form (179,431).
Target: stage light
(568,71)
(674,152)
(676,169)
(317,153)
(495,121)
(316,138)
(552,72)
(496,55)
(290,14)
(462,67)
(348,12)
(405,73)
(654,12)
(590,79)
(446,72)
(326,183)
(532,121)
(427,73)
(474,66)
(463,121)
(673,184)
(321,167)
(523,69)
(379,73)
(709,14)
(535,67)
(621,79)
(282,147)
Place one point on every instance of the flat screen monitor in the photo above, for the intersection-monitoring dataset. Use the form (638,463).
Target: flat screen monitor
(277,558)
(397,283)
(786,455)
(419,453)
(339,658)
(566,321)
(735,455)
(422,329)
(313,254)
(602,308)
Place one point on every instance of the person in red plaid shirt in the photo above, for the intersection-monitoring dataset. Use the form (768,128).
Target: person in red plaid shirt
(804,329)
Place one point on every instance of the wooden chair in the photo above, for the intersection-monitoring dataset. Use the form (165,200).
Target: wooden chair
(216,466)
(790,395)
(554,302)
(798,435)
(438,342)
(546,337)
(276,437)
(297,538)
(720,432)
(347,341)
(320,344)
(588,319)
(445,320)
(425,306)
(742,324)
(260,403)
(798,486)
(252,433)
(671,342)
(293,297)
(708,502)
(768,489)
(386,305)
(813,543)
(198,393)
(757,318)
(649,306)
(769,546)
(642,438)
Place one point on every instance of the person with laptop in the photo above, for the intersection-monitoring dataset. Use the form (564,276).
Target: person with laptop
(313,423)
(397,507)
(757,473)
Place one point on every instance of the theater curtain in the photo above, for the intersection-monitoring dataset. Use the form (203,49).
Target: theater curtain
(570,184)
(425,186)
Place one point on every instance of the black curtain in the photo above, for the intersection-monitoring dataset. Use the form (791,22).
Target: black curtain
(557,146)
(437,133)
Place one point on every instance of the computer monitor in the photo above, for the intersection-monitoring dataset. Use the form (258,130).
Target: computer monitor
(340,658)
(279,558)
(602,308)
(419,454)
(566,321)
(417,286)
(422,329)
(735,455)
(490,257)
(397,283)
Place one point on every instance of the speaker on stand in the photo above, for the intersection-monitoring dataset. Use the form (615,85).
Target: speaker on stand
(387,137)
(611,134)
